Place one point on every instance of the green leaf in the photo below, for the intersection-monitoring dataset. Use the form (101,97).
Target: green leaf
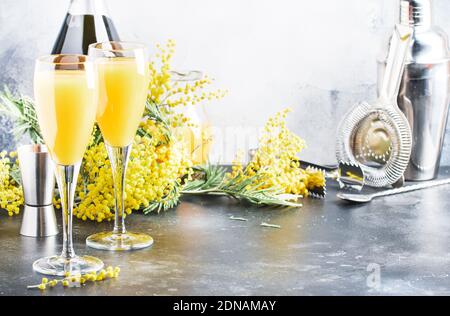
(15,173)
(22,111)
(168,202)
(153,111)
(205,178)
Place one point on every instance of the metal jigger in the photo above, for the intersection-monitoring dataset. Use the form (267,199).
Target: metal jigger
(38,183)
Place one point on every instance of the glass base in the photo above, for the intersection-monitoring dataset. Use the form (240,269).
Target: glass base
(58,266)
(118,242)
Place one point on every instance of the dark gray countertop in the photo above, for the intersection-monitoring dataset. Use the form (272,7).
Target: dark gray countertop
(326,247)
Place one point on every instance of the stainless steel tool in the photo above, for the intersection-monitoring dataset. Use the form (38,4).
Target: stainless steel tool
(348,176)
(424,94)
(364,198)
(377,136)
(38,183)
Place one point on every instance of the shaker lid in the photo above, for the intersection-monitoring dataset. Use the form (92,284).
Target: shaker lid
(415,12)
(429,43)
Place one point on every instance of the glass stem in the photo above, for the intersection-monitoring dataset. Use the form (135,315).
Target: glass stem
(67,176)
(119,156)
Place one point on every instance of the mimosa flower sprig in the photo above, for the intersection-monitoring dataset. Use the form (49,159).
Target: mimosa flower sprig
(215,180)
(11,196)
(272,178)
(275,163)
(78,279)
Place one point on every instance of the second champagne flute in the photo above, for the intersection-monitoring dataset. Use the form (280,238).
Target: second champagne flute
(122,70)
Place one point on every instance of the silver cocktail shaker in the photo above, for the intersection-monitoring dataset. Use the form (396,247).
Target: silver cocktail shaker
(424,92)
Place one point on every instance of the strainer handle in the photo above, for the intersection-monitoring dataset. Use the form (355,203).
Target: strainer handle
(414,187)
(395,63)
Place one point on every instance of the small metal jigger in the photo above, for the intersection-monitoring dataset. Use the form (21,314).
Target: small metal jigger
(38,183)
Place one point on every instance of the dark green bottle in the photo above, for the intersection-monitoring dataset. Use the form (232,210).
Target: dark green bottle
(86,22)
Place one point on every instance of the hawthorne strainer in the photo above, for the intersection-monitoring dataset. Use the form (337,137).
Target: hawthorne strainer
(377,135)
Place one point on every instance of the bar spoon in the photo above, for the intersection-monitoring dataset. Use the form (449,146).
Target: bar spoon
(364,198)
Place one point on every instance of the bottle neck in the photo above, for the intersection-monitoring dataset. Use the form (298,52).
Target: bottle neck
(415,13)
(91,7)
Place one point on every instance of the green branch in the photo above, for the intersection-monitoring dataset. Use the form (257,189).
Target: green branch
(212,180)
(22,111)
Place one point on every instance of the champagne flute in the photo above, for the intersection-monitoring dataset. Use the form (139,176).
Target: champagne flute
(65,93)
(123,76)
